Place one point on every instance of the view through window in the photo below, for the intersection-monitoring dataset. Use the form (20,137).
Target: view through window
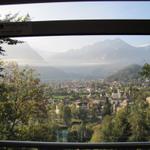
(76,88)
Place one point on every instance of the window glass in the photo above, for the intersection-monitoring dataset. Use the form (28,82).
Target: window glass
(81,10)
(76,89)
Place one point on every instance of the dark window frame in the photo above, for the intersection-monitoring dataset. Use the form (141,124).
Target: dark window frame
(73,27)
(6,2)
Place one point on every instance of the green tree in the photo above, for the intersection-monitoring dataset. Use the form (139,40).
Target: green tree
(10,41)
(24,102)
(139,125)
(96,137)
(82,114)
(106,129)
(120,128)
(79,133)
(74,133)
(74,111)
(146,71)
(107,108)
(67,115)
(38,132)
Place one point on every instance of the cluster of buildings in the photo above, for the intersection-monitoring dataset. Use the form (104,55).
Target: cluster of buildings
(96,95)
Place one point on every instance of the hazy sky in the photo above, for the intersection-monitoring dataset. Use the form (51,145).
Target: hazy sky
(80,10)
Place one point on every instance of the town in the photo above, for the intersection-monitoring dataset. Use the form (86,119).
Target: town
(84,102)
(73,110)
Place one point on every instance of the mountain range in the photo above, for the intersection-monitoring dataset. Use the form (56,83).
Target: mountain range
(23,54)
(96,61)
(114,51)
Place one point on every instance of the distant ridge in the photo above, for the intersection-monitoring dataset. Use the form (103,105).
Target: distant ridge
(114,51)
(109,58)
(23,54)
(128,73)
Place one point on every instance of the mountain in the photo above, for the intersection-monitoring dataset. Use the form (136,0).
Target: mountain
(102,59)
(128,73)
(26,56)
(23,54)
(97,61)
(90,72)
(114,51)
(48,73)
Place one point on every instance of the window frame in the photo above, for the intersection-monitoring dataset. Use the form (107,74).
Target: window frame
(6,2)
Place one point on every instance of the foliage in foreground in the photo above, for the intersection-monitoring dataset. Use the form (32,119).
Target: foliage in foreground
(131,123)
(24,106)
(10,18)
(28,114)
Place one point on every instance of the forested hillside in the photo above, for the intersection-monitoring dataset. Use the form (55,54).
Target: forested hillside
(129,73)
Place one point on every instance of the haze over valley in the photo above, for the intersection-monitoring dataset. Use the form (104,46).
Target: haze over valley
(96,61)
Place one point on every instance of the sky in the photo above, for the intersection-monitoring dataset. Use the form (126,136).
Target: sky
(79,10)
